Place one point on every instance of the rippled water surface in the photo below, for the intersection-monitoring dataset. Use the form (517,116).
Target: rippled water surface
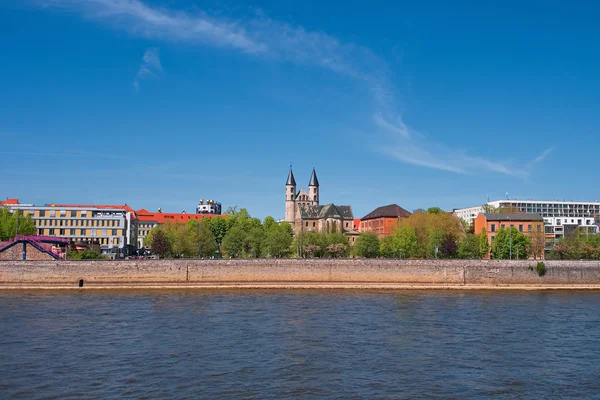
(299,344)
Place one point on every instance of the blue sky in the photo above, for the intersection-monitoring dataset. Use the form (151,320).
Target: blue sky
(161,103)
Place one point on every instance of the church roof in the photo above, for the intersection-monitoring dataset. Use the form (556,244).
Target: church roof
(291,180)
(390,211)
(326,211)
(313,179)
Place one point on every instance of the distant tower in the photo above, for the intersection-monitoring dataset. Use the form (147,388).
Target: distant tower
(313,188)
(290,197)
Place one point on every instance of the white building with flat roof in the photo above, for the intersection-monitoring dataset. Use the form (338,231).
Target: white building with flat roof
(559,216)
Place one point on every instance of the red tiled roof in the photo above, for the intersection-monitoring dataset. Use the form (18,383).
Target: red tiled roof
(9,201)
(162,218)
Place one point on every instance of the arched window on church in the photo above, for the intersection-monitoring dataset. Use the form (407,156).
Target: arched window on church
(315,198)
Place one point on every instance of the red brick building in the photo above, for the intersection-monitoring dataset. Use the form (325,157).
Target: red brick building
(383,220)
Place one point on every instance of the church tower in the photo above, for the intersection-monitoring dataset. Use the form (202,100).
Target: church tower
(313,188)
(290,198)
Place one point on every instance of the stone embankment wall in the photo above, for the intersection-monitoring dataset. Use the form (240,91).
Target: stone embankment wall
(189,272)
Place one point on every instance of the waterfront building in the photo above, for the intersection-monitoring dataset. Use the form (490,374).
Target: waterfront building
(383,220)
(305,214)
(560,217)
(107,226)
(526,223)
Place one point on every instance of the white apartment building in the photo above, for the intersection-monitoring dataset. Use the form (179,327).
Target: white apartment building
(560,217)
(469,214)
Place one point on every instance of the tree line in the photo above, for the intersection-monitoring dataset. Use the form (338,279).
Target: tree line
(577,246)
(436,234)
(15,223)
(237,235)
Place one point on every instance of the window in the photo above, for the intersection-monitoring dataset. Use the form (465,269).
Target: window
(61,222)
(61,232)
(114,232)
(539,228)
(53,213)
(82,232)
(42,213)
(314,224)
(72,232)
(503,226)
(493,227)
(103,232)
(51,232)
(493,238)
(63,213)
(307,223)
(521,228)
(73,213)
(529,228)
(578,222)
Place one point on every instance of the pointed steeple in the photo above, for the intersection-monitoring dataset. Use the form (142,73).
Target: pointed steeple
(291,180)
(313,179)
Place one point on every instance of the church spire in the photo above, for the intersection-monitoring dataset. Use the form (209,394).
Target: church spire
(313,179)
(291,180)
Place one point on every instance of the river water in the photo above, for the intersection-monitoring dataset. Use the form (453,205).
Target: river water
(300,344)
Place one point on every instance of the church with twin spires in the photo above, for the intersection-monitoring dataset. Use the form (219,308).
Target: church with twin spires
(305,214)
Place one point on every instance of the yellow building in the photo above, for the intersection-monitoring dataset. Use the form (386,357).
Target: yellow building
(103,225)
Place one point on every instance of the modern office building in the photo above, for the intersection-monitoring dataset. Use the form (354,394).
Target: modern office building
(560,217)
(83,224)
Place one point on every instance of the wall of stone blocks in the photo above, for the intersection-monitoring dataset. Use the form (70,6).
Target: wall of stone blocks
(483,272)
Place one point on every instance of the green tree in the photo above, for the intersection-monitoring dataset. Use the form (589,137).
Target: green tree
(15,223)
(484,246)
(469,247)
(367,245)
(207,243)
(185,239)
(435,210)
(256,242)
(405,243)
(219,227)
(279,240)
(233,242)
(510,243)
(386,247)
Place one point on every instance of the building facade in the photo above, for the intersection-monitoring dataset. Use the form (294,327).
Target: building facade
(383,220)
(305,214)
(560,217)
(104,225)
(526,223)
(210,207)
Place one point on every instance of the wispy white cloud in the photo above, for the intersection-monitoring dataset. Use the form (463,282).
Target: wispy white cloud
(263,37)
(149,68)
(542,156)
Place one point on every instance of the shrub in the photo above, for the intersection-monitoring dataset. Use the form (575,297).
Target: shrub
(540,269)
